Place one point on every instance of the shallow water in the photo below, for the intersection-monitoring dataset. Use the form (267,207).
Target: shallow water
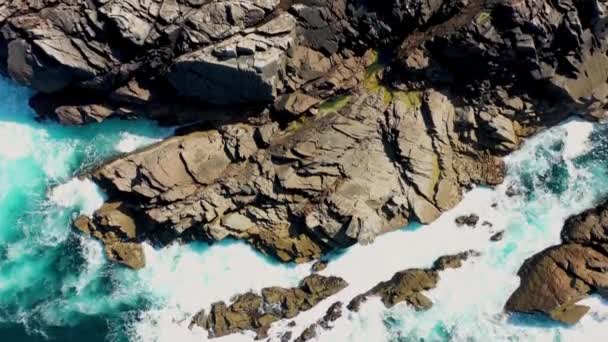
(56,285)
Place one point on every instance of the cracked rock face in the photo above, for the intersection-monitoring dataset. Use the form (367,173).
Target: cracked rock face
(333,180)
(554,280)
(242,69)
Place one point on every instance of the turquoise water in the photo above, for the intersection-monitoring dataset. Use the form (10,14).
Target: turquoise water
(47,286)
(56,285)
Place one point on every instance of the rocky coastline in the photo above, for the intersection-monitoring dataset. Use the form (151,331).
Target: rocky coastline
(307,126)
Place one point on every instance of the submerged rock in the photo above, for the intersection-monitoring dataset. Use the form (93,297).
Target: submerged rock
(554,280)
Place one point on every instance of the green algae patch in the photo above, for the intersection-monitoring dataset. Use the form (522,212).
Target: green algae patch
(412,99)
(435,174)
(373,83)
(483,17)
(296,124)
(334,104)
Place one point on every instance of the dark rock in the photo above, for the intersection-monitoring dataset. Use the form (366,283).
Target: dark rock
(408,286)
(334,312)
(468,220)
(513,191)
(498,236)
(355,303)
(405,286)
(286,337)
(308,334)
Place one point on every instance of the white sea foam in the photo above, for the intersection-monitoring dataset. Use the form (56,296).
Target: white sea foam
(577,138)
(130,142)
(468,301)
(15,140)
(186,279)
(78,193)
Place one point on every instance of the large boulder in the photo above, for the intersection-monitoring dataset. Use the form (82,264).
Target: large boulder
(554,280)
(243,69)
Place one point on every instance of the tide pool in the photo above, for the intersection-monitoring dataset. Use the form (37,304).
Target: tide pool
(56,285)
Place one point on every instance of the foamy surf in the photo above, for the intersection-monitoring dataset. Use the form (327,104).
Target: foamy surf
(577,138)
(188,278)
(130,142)
(82,194)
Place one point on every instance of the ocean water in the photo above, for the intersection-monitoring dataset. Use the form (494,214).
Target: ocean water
(56,285)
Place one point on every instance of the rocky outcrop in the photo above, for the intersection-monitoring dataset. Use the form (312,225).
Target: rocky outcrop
(408,286)
(333,179)
(554,280)
(256,312)
(118,233)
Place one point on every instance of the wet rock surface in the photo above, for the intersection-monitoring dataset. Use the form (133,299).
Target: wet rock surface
(554,280)
(408,286)
(257,312)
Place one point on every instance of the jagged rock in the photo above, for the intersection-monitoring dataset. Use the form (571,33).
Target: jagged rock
(554,280)
(333,313)
(489,74)
(382,155)
(408,286)
(237,70)
(453,261)
(256,312)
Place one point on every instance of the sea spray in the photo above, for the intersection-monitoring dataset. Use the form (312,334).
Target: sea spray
(55,283)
